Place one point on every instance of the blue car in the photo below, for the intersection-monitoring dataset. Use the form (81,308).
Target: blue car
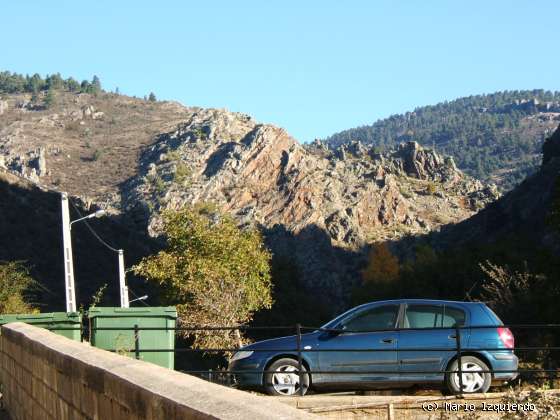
(386,358)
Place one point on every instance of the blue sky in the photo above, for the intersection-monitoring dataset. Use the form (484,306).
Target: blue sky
(313,67)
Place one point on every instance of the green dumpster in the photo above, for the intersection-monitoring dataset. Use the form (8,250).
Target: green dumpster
(71,322)
(123,341)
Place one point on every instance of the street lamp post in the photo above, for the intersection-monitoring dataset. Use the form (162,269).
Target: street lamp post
(68,261)
(122,282)
(70,288)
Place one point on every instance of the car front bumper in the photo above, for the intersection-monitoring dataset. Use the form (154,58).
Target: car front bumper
(247,372)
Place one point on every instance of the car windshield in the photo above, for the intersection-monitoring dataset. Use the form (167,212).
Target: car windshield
(363,313)
(333,322)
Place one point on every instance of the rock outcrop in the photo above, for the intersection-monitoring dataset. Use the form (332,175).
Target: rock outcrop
(327,199)
(257,169)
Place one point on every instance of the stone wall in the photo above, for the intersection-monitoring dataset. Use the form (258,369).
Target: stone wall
(46,376)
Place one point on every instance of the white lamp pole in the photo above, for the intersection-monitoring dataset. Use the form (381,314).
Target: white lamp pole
(67,245)
(122,281)
(68,260)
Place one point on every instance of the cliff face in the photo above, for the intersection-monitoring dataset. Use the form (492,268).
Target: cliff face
(259,173)
(318,206)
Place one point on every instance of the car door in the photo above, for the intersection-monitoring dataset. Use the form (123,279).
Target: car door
(357,364)
(428,364)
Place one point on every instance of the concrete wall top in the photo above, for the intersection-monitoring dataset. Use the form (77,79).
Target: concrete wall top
(144,390)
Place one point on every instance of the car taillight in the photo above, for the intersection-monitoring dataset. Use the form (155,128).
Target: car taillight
(507,337)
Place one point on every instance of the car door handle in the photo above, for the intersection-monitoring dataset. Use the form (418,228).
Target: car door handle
(387,340)
(452,336)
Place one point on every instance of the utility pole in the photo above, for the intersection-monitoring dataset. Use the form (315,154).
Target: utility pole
(68,259)
(122,281)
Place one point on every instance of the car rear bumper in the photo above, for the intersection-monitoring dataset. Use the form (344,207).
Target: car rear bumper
(505,365)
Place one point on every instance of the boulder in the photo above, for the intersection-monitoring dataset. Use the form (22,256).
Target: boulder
(88,111)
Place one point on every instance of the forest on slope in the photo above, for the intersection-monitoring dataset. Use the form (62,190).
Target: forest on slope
(496,137)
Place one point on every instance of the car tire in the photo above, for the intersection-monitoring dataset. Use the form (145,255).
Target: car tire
(473,381)
(283,378)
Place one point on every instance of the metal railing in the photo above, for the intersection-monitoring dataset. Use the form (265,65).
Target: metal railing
(298,351)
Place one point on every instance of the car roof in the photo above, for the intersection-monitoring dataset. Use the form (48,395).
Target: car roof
(426,301)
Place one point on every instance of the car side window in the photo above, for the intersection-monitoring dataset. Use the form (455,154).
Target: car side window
(378,318)
(423,316)
(453,316)
(433,316)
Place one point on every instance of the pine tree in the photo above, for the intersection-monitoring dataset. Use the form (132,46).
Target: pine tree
(152,97)
(84,86)
(50,98)
(95,85)
(72,85)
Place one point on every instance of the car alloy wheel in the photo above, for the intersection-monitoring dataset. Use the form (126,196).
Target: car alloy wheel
(283,378)
(475,376)
(473,379)
(286,380)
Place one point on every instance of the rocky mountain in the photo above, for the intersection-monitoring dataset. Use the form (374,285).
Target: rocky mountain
(318,208)
(496,138)
(260,174)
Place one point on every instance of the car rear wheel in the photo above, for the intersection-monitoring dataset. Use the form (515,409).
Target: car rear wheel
(475,379)
(283,378)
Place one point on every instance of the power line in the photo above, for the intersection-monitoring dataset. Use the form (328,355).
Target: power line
(93,232)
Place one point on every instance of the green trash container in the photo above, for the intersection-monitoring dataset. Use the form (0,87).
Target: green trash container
(123,341)
(70,321)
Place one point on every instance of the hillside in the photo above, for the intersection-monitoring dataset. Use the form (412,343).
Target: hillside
(521,232)
(495,138)
(530,212)
(90,143)
(318,208)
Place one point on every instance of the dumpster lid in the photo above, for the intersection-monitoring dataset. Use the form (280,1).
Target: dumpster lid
(168,311)
(40,317)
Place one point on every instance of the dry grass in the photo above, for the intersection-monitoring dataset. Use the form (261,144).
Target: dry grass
(128,126)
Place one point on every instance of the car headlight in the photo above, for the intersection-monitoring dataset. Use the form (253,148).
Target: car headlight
(241,355)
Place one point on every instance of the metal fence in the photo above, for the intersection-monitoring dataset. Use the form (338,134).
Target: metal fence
(298,351)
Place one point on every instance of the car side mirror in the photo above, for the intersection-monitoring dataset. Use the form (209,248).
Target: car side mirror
(340,328)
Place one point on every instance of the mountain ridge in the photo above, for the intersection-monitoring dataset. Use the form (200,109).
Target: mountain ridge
(495,137)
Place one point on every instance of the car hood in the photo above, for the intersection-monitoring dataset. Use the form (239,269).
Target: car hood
(281,343)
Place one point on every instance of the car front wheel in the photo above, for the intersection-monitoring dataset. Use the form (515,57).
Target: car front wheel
(283,378)
(476,377)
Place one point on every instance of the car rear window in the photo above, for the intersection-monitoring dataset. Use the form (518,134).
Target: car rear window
(453,317)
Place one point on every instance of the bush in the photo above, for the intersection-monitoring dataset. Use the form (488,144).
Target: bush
(182,173)
(431,188)
(15,284)
(216,274)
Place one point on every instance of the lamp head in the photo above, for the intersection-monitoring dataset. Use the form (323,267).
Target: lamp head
(97,214)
